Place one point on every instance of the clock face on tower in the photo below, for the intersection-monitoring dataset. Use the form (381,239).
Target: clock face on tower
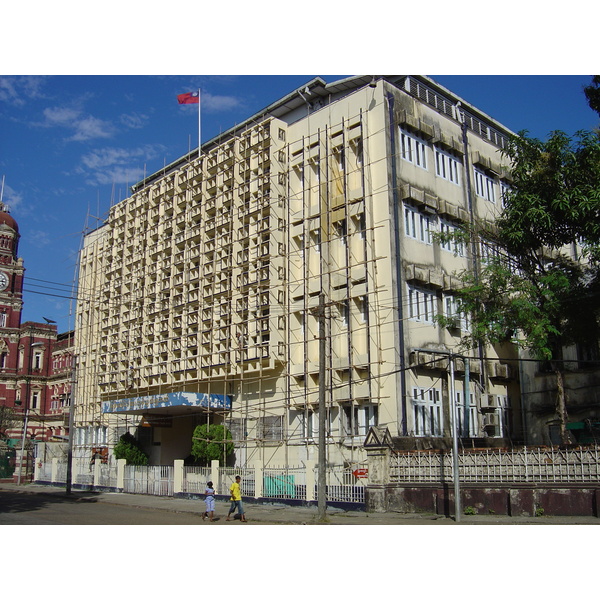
(4,281)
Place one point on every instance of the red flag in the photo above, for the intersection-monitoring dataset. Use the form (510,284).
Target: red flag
(189,98)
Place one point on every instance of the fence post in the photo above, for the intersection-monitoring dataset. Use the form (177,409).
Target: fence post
(309,465)
(258,479)
(54,471)
(178,476)
(215,474)
(378,478)
(121,473)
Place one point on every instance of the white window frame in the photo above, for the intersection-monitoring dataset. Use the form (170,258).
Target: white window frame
(413,149)
(422,305)
(447,166)
(427,412)
(460,408)
(451,312)
(357,419)
(418,225)
(451,245)
(485,186)
(504,189)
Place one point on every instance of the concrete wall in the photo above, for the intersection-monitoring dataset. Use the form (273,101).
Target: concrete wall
(512,500)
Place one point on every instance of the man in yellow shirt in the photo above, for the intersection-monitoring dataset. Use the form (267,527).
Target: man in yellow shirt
(236,500)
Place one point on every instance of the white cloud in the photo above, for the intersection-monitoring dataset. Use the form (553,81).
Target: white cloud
(17,90)
(38,238)
(214,103)
(91,128)
(84,127)
(127,175)
(134,121)
(118,165)
(11,198)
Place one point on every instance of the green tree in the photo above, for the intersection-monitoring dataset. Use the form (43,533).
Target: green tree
(210,442)
(592,93)
(8,419)
(129,449)
(540,287)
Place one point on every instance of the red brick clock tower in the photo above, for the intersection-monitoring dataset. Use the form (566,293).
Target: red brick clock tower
(11,305)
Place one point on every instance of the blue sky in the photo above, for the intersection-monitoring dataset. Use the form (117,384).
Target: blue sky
(72,145)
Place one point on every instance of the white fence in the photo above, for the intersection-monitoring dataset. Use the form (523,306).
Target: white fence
(284,482)
(152,480)
(532,465)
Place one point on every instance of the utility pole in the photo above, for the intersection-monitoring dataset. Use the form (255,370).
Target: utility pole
(71,432)
(321,482)
(454,411)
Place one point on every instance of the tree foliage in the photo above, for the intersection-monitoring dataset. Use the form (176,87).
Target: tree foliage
(540,287)
(129,449)
(8,419)
(592,93)
(210,442)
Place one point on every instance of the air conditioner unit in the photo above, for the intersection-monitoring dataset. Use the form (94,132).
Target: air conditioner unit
(491,424)
(488,401)
(502,371)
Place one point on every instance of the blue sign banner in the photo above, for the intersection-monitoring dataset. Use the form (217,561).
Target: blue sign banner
(172,399)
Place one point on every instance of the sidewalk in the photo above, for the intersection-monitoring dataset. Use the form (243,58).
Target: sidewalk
(280,514)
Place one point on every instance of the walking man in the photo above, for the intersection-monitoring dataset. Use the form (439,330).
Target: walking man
(236,500)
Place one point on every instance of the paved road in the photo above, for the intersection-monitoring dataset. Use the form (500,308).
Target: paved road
(40,509)
(47,505)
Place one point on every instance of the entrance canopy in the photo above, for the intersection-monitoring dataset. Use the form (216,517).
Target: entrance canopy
(171,403)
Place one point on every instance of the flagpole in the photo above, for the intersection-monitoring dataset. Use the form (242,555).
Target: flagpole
(199,122)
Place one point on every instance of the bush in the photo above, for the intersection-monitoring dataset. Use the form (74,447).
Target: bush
(129,449)
(204,449)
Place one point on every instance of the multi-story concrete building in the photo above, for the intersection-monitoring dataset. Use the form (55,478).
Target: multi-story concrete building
(203,288)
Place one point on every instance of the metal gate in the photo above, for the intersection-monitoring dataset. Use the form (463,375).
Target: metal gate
(152,480)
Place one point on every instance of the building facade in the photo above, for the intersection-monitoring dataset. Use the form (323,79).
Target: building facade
(204,295)
(34,388)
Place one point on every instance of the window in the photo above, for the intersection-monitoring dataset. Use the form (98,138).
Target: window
(467,420)
(447,166)
(237,427)
(427,412)
(422,305)
(417,225)
(270,428)
(309,421)
(413,149)
(35,400)
(451,245)
(344,310)
(484,186)
(504,192)
(356,420)
(2,319)
(363,308)
(451,312)
(488,252)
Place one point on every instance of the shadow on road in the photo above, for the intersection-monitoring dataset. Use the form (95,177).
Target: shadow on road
(22,501)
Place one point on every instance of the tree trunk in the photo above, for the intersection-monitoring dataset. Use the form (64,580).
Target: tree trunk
(561,404)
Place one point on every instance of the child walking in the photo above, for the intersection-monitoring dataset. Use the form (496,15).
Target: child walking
(209,499)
